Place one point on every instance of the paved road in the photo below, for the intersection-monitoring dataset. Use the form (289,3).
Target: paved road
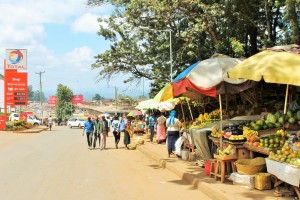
(57,165)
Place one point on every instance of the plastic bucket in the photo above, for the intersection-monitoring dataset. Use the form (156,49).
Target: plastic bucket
(185,154)
(207,168)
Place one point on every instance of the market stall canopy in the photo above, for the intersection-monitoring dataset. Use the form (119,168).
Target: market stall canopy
(279,65)
(135,113)
(209,77)
(147,104)
(166,94)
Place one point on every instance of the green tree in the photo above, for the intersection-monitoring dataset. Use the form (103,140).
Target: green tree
(36,96)
(97,97)
(140,43)
(64,96)
(30,93)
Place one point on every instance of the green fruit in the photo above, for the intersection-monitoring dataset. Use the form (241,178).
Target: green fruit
(261,140)
(289,114)
(266,141)
(280,120)
(277,125)
(271,125)
(265,127)
(276,145)
(266,145)
(257,127)
(298,115)
(292,120)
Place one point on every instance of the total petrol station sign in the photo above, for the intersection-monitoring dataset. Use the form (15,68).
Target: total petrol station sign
(16,59)
(15,87)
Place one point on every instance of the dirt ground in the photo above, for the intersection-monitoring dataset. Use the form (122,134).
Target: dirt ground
(57,164)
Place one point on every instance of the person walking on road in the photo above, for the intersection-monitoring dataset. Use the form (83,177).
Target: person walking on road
(96,132)
(127,133)
(103,133)
(50,122)
(116,130)
(151,126)
(161,129)
(173,125)
(89,128)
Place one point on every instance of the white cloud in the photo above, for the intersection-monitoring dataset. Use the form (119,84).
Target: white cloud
(86,23)
(80,58)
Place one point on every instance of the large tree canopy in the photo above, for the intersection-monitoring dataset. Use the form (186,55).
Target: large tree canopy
(140,42)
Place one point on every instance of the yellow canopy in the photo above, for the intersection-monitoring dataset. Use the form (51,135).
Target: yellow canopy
(164,94)
(272,66)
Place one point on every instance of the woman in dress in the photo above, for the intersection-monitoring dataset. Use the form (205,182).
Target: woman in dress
(173,125)
(161,129)
(127,133)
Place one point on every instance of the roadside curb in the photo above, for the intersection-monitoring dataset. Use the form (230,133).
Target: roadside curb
(34,130)
(204,187)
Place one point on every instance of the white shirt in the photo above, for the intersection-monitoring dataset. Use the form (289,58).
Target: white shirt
(175,126)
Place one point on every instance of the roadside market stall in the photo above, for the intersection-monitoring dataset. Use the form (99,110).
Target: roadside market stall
(273,137)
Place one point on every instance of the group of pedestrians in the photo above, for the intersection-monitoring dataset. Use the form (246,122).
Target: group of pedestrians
(96,130)
(166,129)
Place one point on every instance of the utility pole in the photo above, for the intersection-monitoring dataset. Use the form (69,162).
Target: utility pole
(116,97)
(41,92)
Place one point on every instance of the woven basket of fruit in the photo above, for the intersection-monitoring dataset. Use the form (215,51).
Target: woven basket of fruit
(132,146)
(251,166)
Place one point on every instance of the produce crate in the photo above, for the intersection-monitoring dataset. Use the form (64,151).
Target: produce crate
(268,132)
(243,153)
(227,157)
(292,127)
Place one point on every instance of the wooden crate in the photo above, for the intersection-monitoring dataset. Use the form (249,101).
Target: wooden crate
(243,153)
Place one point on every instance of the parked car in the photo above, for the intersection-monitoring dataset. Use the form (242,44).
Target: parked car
(76,122)
(33,120)
(14,117)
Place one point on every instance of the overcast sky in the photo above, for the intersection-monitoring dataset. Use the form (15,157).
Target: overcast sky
(61,39)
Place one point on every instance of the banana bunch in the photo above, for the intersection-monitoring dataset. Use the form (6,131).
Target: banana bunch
(214,114)
(206,116)
(247,132)
(200,118)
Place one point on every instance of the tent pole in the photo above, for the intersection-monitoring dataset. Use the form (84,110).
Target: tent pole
(190,109)
(182,113)
(221,119)
(286,98)
(285,104)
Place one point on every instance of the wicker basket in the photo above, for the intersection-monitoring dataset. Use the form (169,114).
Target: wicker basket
(251,166)
(263,181)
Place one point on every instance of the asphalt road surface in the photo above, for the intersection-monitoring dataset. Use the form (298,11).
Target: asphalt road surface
(57,165)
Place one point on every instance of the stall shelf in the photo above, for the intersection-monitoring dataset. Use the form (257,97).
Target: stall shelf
(254,149)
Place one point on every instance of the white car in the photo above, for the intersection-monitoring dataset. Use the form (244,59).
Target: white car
(76,122)
(34,121)
(14,117)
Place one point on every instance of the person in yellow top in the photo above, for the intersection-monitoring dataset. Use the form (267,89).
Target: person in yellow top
(173,129)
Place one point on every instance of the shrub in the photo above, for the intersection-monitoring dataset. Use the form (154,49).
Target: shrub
(9,125)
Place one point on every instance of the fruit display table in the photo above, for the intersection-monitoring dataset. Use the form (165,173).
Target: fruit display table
(254,149)
(242,152)
(284,173)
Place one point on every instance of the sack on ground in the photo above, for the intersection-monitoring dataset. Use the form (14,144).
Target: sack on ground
(246,181)
(178,145)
